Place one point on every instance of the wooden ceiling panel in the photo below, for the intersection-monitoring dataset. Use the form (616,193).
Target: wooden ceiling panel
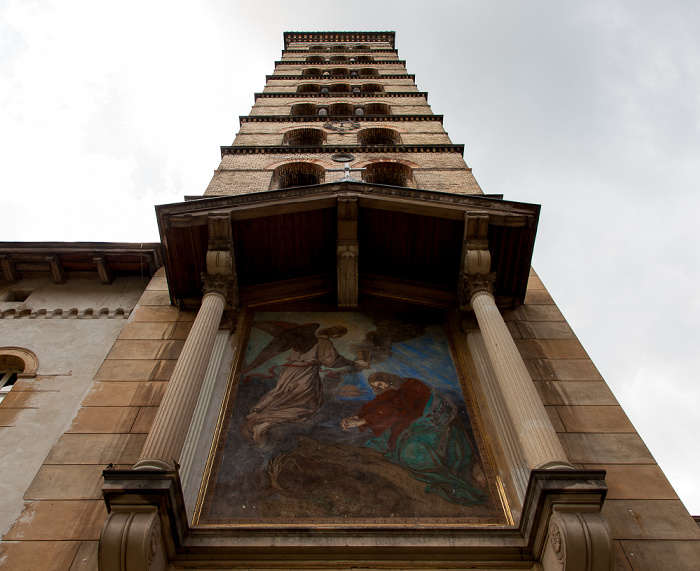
(285,246)
(410,246)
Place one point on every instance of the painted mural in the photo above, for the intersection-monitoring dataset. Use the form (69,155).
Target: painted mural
(348,415)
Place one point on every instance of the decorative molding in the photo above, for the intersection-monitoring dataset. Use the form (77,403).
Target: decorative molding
(348,287)
(330,149)
(217,283)
(324,118)
(343,37)
(341,63)
(73,313)
(378,76)
(307,95)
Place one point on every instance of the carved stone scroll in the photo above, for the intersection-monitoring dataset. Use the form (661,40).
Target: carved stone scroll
(577,540)
(132,539)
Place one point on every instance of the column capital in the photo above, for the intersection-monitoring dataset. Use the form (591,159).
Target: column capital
(471,284)
(217,283)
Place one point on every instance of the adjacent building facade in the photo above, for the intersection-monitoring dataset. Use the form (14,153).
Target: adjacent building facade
(337,357)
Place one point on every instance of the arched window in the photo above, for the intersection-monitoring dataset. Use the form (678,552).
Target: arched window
(308,88)
(297,174)
(304,137)
(394,174)
(323,111)
(377,109)
(315,59)
(340,109)
(338,58)
(339,48)
(15,363)
(303,109)
(356,89)
(372,88)
(340,71)
(339,88)
(378,136)
(317,48)
(361,48)
(311,71)
(368,71)
(359,111)
(365,59)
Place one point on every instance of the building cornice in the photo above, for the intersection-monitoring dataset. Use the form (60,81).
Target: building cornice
(304,95)
(313,37)
(378,77)
(325,149)
(326,118)
(371,50)
(342,63)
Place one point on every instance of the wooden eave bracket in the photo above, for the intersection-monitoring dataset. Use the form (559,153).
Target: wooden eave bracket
(57,272)
(8,269)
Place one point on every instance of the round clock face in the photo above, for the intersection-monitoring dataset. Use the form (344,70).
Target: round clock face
(342,126)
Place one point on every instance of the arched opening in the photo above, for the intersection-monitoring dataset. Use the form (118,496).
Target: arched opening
(338,58)
(368,71)
(317,49)
(339,88)
(315,59)
(308,88)
(304,137)
(297,174)
(377,109)
(14,364)
(339,48)
(311,71)
(303,109)
(361,48)
(372,88)
(365,59)
(340,71)
(394,174)
(340,109)
(378,136)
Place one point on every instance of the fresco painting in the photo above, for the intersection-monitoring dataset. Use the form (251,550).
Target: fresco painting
(348,416)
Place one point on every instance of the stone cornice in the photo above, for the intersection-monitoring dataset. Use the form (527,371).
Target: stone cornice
(323,37)
(369,51)
(341,63)
(326,149)
(303,95)
(326,77)
(326,118)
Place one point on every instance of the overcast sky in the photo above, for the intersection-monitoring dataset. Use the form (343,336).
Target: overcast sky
(591,109)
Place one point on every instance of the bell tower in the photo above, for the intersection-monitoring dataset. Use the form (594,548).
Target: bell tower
(343,196)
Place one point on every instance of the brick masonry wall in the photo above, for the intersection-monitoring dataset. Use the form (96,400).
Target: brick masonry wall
(240,174)
(651,528)
(64,513)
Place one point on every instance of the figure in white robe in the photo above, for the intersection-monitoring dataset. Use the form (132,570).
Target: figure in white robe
(299,390)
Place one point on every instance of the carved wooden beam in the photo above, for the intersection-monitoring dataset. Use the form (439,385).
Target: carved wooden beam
(8,269)
(347,252)
(103,270)
(57,273)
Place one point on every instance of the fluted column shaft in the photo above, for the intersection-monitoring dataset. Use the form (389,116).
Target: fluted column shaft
(538,439)
(166,439)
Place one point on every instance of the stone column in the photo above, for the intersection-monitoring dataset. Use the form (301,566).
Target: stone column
(166,439)
(539,442)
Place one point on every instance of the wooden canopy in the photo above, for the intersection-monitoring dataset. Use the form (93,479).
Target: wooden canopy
(410,242)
